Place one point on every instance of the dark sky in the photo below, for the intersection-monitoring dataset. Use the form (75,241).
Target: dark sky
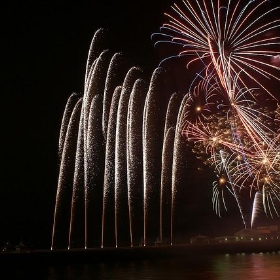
(44,49)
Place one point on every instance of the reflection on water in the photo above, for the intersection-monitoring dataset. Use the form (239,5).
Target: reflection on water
(221,267)
(240,266)
(254,266)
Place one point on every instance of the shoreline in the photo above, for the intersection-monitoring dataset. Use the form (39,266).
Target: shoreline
(48,256)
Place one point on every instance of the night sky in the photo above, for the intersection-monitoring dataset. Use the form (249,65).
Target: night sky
(44,50)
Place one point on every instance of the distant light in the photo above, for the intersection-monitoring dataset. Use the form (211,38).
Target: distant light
(266,179)
(214,139)
(222,180)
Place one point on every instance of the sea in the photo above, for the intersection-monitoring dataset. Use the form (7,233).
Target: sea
(253,266)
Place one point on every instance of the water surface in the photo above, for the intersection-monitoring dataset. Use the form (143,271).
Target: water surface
(221,267)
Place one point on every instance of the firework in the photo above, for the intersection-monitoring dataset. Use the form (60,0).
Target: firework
(226,120)
(230,37)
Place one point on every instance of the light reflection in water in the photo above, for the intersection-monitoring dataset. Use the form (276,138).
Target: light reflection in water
(261,266)
(218,267)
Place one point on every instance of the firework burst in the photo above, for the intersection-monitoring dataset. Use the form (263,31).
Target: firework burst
(231,38)
(230,120)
